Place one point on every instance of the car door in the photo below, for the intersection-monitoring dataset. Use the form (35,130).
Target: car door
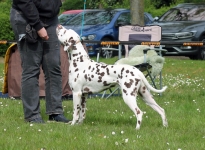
(123,19)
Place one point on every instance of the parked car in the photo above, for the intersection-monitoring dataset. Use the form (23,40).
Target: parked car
(67,15)
(184,23)
(101,25)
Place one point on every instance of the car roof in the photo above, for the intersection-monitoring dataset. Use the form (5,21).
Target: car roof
(73,11)
(119,9)
(189,4)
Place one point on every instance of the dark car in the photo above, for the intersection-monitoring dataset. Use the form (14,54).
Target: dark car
(101,25)
(184,23)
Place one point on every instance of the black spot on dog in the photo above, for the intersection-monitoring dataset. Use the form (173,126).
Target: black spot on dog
(129,84)
(133,93)
(132,74)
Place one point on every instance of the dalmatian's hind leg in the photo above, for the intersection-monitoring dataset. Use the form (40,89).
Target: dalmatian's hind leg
(147,97)
(76,107)
(83,109)
(131,102)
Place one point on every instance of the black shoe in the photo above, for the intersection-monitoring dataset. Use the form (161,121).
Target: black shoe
(36,120)
(67,97)
(58,118)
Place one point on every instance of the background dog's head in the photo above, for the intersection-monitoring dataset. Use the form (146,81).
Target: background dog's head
(67,37)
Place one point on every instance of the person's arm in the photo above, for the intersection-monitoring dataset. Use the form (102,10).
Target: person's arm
(30,11)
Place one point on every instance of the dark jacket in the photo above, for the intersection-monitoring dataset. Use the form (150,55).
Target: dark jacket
(36,11)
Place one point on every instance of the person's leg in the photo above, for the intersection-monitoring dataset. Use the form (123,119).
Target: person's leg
(31,56)
(53,78)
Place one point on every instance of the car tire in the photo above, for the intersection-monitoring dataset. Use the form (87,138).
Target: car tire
(201,51)
(107,53)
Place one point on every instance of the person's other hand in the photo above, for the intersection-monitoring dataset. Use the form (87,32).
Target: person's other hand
(43,33)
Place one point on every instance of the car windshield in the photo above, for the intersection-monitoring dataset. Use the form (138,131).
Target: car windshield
(190,13)
(93,18)
(65,17)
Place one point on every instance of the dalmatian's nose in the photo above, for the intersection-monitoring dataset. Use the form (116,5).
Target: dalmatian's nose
(59,26)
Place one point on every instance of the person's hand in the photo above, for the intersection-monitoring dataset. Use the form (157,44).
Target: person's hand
(43,33)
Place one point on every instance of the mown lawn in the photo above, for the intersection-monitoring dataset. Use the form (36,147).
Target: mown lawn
(110,124)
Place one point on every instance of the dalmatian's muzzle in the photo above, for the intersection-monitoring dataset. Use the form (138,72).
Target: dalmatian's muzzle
(67,37)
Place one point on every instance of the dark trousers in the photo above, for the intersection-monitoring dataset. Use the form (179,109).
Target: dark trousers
(42,53)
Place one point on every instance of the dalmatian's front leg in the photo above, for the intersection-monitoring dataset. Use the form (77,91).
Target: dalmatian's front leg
(83,109)
(76,107)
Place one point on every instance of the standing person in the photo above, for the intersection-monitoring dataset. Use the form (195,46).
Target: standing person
(34,24)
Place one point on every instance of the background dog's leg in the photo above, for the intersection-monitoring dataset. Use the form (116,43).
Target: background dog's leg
(76,107)
(147,97)
(131,102)
(83,109)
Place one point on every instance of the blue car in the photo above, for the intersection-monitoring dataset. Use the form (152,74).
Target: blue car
(101,25)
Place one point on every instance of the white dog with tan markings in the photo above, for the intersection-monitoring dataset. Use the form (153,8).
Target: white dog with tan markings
(87,76)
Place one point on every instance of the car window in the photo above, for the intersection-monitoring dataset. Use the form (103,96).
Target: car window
(92,18)
(124,17)
(196,13)
(146,19)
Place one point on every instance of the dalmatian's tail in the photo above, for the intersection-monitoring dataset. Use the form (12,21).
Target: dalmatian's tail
(149,86)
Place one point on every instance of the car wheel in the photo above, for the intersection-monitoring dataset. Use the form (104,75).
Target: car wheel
(107,53)
(201,52)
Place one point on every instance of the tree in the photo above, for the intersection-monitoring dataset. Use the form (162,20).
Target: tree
(137,12)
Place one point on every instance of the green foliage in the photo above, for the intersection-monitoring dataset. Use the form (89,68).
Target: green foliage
(163,3)
(71,4)
(6,32)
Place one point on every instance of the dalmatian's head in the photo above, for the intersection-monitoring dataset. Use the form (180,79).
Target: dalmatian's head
(67,37)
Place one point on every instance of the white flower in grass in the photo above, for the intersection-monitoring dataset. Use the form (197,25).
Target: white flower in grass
(19,138)
(146,116)
(122,132)
(0,102)
(126,140)
(4,129)
(31,125)
(39,130)
(179,149)
(116,143)
(113,133)
(105,137)
(130,117)
(167,143)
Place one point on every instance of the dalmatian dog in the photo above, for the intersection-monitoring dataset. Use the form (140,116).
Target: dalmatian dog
(87,76)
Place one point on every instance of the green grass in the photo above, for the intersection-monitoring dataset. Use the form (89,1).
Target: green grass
(110,124)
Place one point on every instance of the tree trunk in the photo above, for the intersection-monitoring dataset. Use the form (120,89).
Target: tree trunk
(137,12)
